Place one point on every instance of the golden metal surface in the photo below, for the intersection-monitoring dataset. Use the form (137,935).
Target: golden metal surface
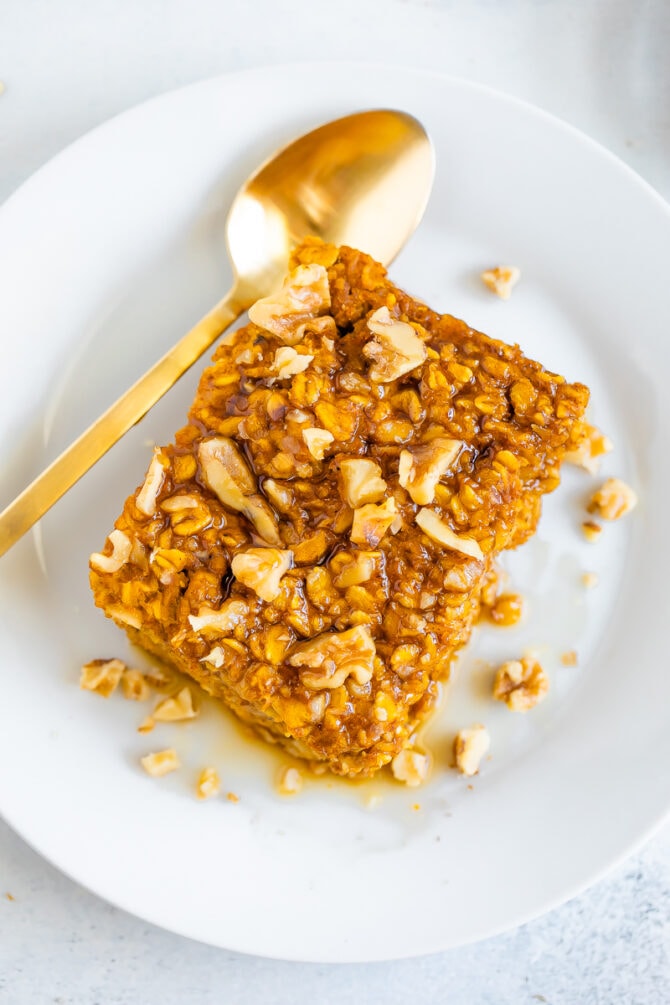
(363,180)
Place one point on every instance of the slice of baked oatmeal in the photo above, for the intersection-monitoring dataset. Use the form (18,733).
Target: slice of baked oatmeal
(312,547)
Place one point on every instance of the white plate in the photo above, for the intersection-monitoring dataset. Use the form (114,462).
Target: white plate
(106,256)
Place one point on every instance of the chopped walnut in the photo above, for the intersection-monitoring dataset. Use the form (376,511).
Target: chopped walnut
(501,279)
(209,784)
(122,548)
(305,294)
(153,482)
(360,481)
(521,684)
(175,709)
(410,767)
(288,362)
(135,686)
(261,569)
(334,656)
(214,657)
(371,522)
(589,450)
(290,782)
(227,474)
(470,746)
(507,609)
(395,349)
(613,500)
(160,763)
(590,580)
(219,622)
(101,676)
(421,468)
(569,659)
(591,530)
(431,524)
(357,568)
(317,441)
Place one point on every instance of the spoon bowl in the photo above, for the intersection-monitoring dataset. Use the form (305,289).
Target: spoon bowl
(363,180)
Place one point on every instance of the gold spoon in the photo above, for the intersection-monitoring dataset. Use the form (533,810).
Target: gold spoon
(363,180)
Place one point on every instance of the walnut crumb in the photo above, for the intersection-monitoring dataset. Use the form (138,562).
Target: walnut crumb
(613,500)
(146,725)
(175,709)
(521,684)
(135,686)
(470,746)
(501,279)
(589,450)
(410,767)
(208,784)
(232,798)
(101,676)
(290,782)
(590,580)
(9,896)
(569,658)
(591,530)
(160,763)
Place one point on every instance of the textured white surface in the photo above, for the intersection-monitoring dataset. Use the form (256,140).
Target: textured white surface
(602,66)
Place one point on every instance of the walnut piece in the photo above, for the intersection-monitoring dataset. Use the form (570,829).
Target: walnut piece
(395,349)
(590,580)
(613,500)
(591,530)
(222,621)
(122,547)
(501,279)
(305,294)
(175,709)
(371,522)
(360,481)
(209,784)
(290,782)
(589,450)
(317,441)
(521,684)
(358,568)
(470,746)
(333,656)
(227,474)
(153,482)
(421,468)
(160,763)
(410,767)
(135,686)
(431,524)
(288,362)
(101,676)
(214,657)
(261,569)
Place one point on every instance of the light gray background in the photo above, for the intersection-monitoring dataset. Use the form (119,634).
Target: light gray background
(604,65)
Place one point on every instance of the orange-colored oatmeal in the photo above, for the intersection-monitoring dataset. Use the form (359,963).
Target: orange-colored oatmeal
(312,547)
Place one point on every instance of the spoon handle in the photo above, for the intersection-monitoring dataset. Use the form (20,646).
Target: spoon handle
(75,461)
